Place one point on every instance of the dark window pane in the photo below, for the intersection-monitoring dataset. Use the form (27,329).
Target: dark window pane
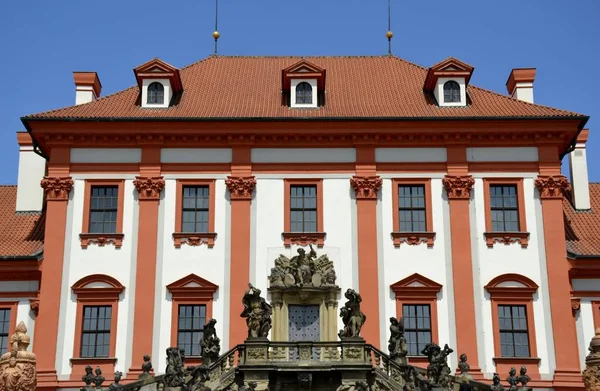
(514,335)
(411,208)
(95,338)
(192,319)
(504,208)
(103,209)
(4,326)
(156,93)
(195,209)
(417,326)
(304,93)
(451,92)
(303,208)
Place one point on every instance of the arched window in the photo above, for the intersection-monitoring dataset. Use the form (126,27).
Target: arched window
(156,93)
(451,91)
(304,93)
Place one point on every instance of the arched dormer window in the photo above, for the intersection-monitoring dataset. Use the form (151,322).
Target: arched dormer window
(304,93)
(451,92)
(156,93)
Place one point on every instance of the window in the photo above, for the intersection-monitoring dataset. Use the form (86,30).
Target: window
(303,208)
(504,207)
(195,209)
(417,327)
(192,319)
(95,332)
(304,93)
(514,337)
(411,208)
(451,92)
(103,209)
(156,93)
(4,329)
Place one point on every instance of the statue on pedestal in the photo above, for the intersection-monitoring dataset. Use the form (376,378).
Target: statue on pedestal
(351,315)
(524,379)
(116,386)
(496,386)
(438,371)
(464,368)
(591,374)
(174,374)
(257,313)
(210,345)
(512,379)
(17,367)
(397,342)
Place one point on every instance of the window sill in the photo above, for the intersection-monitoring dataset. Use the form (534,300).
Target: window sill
(303,238)
(194,238)
(413,238)
(418,360)
(506,237)
(101,239)
(516,360)
(91,360)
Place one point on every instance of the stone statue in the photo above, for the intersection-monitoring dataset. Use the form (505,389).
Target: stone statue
(257,313)
(524,378)
(496,386)
(351,315)
(146,368)
(210,345)
(98,379)
(464,367)
(199,376)
(512,379)
(303,270)
(17,367)
(591,374)
(438,371)
(397,342)
(89,377)
(174,374)
(116,386)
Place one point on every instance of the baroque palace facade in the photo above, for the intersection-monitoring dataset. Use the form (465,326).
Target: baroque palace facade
(438,201)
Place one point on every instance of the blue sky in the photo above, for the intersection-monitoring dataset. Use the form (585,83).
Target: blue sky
(42,42)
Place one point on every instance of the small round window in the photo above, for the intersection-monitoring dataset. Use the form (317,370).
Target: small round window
(156,93)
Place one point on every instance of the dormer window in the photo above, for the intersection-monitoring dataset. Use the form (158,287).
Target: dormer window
(451,91)
(447,81)
(159,84)
(156,93)
(304,93)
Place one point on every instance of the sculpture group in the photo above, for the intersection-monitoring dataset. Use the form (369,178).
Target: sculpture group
(17,367)
(303,270)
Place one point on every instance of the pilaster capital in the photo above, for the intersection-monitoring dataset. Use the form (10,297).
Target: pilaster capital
(57,188)
(366,187)
(552,186)
(458,187)
(149,188)
(240,187)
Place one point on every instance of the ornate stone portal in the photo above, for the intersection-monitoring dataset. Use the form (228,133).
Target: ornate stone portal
(304,279)
(17,368)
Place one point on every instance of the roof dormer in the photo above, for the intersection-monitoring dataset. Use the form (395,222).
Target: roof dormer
(447,81)
(158,83)
(303,85)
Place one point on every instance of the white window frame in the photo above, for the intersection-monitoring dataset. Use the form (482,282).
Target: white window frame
(439,92)
(313,84)
(168,93)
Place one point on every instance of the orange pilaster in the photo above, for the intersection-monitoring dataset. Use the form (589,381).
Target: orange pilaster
(149,186)
(57,186)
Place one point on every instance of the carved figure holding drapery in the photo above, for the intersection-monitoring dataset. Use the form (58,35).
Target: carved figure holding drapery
(257,313)
(174,374)
(210,345)
(303,270)
(352,317)
(438,371)
(397,342)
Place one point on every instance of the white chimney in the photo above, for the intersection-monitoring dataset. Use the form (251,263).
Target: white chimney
(520,84)
(32,168)
(579,173)
(87,87)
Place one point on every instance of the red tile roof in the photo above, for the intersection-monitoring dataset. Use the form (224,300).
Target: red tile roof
(21,233)
(582,228)
(356,87)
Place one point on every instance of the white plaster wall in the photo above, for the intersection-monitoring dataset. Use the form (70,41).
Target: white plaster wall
(106,155)
(401,262)
(502,259)
(117,263)
(585,327)
(579,177)
(195,155)
(503,154)
(524,92)
(176,263)
(32,168)
(302,155)
(84,94)
(410,155)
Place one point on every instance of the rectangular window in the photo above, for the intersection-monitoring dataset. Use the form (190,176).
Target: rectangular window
(303,208)
(514,336)
(417,327)
(192,319)
(95,336)
(103,209)
(411,208)
(504,207)
(4,327)
(195,208)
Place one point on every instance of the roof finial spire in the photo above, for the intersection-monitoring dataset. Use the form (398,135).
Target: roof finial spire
(389,33)
(216,33)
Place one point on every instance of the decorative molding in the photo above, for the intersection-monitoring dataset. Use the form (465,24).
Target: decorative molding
(552,186)
(498,289)
(149,188)
(34,306)
(416,286)
(194,238)
(240,188)
(413,238)
(192,287)
(507,238)
(458,187)
(57,188)
(101,240)
(575,304)
(366,187)
(303,238)
(110,290)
